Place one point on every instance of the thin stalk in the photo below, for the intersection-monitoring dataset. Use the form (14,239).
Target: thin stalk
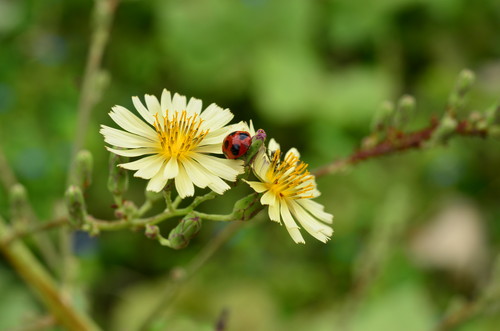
(44,286)
(43,242)
(90,93)
(20,233)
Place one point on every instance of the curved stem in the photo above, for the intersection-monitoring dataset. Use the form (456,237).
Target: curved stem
(40,281)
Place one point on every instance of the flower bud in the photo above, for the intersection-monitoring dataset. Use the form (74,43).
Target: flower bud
(76,206)
(466,79)
(405,108)
(187,228)
(247,207)
(118,177)
(151,231)
(18,202)
(464,83)
(83,169)
(383,116)
(257,143)
(129,209)
(445,129)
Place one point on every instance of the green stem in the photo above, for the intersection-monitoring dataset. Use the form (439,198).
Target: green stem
(199,200)
(215,217)
(176,202)
(145,207)
(43,243)
(34,229)
(40,281)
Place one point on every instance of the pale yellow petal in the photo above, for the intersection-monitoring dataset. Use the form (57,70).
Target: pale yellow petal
(194,106)
(125,139)
(257,186)
(209,149)
(132,152)
(171,168)
(151,168)
(140,163)
(218,185)
(166,101)
(290,224)
(293,151)
(183,184)
(273,146)
(316,209)
(318,230)
(131,123)
(143,110)
(158,182)
(215,117)
(197,173)
(268,198)
(274,212)
(224,168)
(152,104)
(179,102)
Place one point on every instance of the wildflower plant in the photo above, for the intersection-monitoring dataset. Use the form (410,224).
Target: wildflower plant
(177,142)
(175,146)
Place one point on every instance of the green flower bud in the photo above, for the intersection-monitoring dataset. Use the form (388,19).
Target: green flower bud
(76,206)
(129,209)
(152,231)
(247,207)
(382,118)
(446,128)
(405,108)
(118,177)
(463,85)
(187,228)
(18,202)
(466,79)
(257,144)
(83,169)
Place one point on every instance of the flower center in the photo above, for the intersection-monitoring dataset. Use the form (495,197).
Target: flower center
(179,134)
(289,178)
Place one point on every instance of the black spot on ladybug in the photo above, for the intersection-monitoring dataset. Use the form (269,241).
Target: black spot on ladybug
(226,143)
(243,136)
(235,149)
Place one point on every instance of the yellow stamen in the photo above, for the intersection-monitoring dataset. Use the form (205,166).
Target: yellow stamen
(286,179)
(179,134)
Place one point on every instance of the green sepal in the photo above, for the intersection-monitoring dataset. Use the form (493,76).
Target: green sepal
(182,234)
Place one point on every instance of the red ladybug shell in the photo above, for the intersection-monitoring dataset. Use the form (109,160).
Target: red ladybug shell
(236,144)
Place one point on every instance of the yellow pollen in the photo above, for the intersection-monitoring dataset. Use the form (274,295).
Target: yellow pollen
(289,178)
(179,134)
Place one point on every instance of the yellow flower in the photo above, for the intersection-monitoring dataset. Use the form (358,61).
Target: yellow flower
(288,189)
(174,140)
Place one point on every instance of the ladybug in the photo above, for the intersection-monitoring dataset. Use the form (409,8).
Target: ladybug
(236,144)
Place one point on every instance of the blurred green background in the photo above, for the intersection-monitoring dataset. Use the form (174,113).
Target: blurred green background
(414,233)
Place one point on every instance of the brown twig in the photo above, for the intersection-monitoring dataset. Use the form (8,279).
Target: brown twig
(398,141)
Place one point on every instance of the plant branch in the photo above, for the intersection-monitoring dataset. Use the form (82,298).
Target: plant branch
(398,141)
(40,281)
(34,229)
(90,91)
